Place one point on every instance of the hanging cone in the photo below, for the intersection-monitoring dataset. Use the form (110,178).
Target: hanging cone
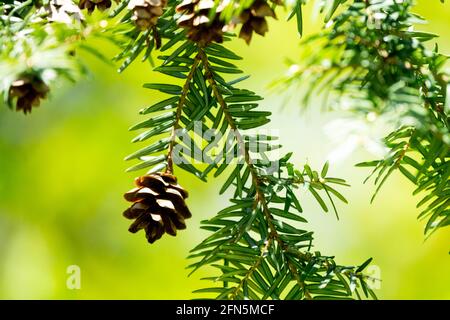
(253,19)
(201,24)
(29,90)
(146,12)
(158,206)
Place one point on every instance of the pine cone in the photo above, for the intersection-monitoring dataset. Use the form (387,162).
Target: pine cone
(253,19)
(195,17)
(29,90)
(146,12)
(158,206)
(90,5)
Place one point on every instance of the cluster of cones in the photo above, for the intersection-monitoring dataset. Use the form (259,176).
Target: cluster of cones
(145,12)
(202,20)
(91,5)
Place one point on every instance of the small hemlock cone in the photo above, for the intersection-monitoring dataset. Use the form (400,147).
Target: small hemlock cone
(29,90)
(253,19)
(90,5)
(146,12)
(196,18)
(158,206)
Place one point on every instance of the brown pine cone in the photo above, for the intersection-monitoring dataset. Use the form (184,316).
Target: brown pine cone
(158,206)
(253,19)
(29,90)
(201,28)
(146,12)
(90,5)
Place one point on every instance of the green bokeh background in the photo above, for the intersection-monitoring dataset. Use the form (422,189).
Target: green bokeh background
(62,179)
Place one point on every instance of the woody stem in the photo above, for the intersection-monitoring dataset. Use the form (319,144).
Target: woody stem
(260,195)
(179,110)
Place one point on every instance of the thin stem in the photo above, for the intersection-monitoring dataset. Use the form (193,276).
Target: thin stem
(180,106)
(260,195)
(156,37)
(252,269)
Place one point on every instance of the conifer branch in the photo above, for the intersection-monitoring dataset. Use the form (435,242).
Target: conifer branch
(179,109)
(256,242)
(259,194)
(374,62)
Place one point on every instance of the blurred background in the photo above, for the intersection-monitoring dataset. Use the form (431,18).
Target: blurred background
(62,179)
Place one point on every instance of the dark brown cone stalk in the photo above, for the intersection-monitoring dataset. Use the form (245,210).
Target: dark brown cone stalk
(278,2)
(158,206)
(253,19)
(29,91)
(196,19)
(90,5)
(146,12)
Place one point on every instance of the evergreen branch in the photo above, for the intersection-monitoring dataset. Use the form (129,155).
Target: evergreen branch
(377,65)
(424,161)
(259,195)
(259,204)
(179,109)
(264,255)
(253,269)
(370,55)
